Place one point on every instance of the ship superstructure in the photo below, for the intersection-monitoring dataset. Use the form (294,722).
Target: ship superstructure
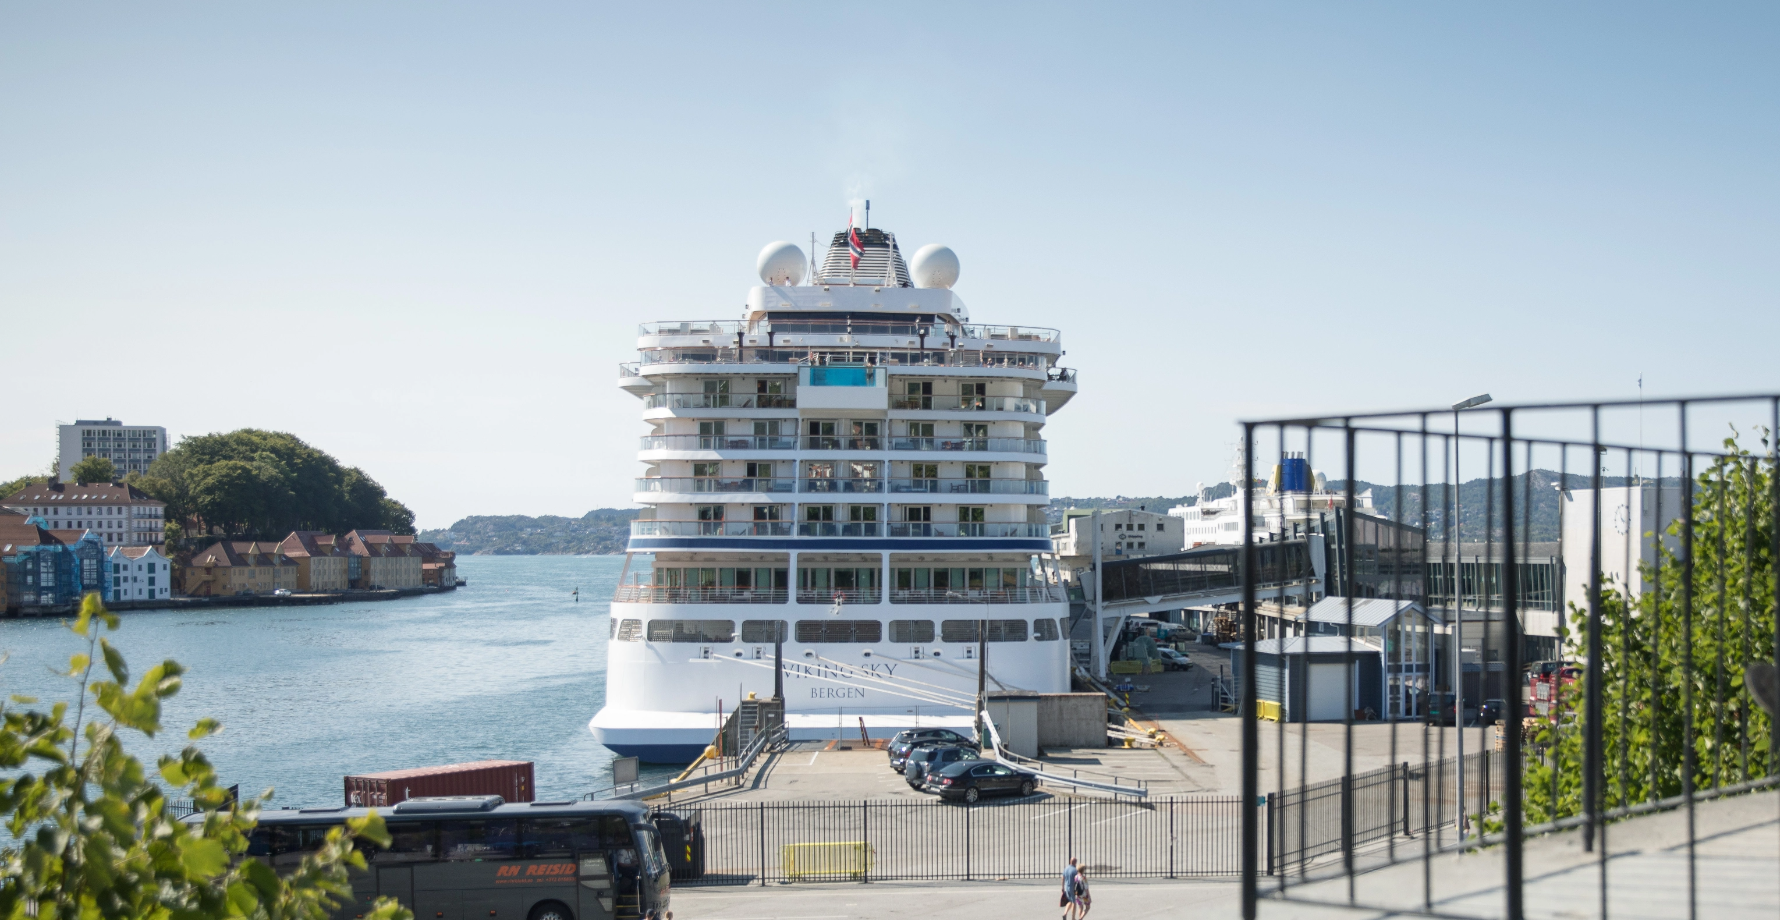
(848,479)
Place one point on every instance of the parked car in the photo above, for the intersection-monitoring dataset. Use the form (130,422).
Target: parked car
(1440,708)
(1173,660)
(929,757)
(903,742)
(970,780)
(281,592)
(1490,712)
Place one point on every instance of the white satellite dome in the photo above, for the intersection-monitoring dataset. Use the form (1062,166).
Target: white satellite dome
(781,263)
(934,266)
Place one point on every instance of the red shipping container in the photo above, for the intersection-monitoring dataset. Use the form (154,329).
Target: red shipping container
(509,779)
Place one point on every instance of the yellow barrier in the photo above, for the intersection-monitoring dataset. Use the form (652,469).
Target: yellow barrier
(1125,667)
(1267,709)
(802,860)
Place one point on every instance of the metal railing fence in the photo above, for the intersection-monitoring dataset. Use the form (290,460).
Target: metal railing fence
(766,842)
(1666,516)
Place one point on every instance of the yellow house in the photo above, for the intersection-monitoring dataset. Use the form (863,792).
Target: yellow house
(322,560)
(386,560)
(228,568)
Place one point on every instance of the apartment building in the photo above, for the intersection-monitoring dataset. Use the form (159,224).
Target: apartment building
(385,560)
(130,448)
(323,562)
(49,568)
(239,567)
(139,573)
(118,514)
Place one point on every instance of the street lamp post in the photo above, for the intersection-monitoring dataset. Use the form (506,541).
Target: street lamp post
(1458,607)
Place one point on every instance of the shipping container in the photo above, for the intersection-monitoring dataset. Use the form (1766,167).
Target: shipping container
(510,779)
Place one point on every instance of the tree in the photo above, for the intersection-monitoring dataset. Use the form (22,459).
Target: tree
(266,484)
(92,833)
(1645,667)
(14,487)
(93,469)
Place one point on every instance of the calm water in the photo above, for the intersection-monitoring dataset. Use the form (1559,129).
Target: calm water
(507,668)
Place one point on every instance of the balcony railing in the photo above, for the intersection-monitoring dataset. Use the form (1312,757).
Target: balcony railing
(979,529)
(843,595)
(971,486)
(720,401)
(1036,594)
(1063,374)
(839,529)
(968,404)
(999,445)
(664,594)
(710,528)
(849,486)
(832,529)
(784,356)
(826,442)
(712,484)
(630,369)
(730,328)
(718,442)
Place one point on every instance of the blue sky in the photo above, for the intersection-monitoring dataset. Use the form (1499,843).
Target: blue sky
(420,235)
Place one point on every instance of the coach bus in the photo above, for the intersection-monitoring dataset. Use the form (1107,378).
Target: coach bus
(477,858)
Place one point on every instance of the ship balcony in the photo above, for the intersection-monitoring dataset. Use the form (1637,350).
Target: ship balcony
(708,442)
(787,358)
(1016,404)
(666,594)
(861,529)
(695,488)
(673,594)
(719,401)
(1059,387)
(705,332)
(783,447)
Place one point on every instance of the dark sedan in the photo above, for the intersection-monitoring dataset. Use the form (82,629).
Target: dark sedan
(907,741)
(927,758)
(970,780)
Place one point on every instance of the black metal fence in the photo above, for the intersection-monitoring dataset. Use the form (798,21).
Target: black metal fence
(1666,516)
(762,842)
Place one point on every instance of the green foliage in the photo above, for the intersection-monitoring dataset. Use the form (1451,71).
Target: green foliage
(93,469)
(92,834)
(1646,668)
(253,483)
(13,487)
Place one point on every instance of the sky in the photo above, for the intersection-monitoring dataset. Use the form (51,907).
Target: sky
(421,236)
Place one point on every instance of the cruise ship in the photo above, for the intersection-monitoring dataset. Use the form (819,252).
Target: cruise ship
(843,486)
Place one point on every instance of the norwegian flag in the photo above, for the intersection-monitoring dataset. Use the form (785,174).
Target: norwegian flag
(855,248)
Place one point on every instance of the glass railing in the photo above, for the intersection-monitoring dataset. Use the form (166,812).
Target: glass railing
(713,484)
(840,375)
(630,369)
(972,486)
(887,359)
(1001,445)
(968,404)
(1011,333)
(720,401)
(710,528)
(664,594)
(831,529)
(828,442)
(1036,594)
(842,595)
(693,327)
(839,529)
(841,486)
(948,529)
(718,442)
(1063,374)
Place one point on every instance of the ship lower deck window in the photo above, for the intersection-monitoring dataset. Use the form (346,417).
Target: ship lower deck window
(920,631)
(1044,630)
(763,630)
(762,579)
(840,631)
(961,579)
(691,630)
(966,630)
(630,630)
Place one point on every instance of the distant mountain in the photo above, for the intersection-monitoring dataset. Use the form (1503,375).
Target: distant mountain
(601,532)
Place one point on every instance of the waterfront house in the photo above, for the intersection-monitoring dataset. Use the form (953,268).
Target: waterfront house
(139,573)
(118,514)
(322,560)
(385,559)
(228,568)
(438,567)
(49,568)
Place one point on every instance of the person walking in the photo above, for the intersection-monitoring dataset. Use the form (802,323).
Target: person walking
(1082,900)
(1070,875)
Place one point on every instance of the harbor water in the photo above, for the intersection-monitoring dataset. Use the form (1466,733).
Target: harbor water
(510,667)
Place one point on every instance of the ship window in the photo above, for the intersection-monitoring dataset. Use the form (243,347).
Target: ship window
(966,630)
(1044,630)
(840,631)
(920,631)
(763,630)
(691,630)
(630,630)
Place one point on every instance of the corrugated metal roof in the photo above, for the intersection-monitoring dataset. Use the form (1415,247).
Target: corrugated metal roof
(447,768)
(1368,611)
(1307,645)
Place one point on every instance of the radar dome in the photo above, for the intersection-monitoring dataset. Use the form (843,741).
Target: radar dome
(781,263)
(934,266)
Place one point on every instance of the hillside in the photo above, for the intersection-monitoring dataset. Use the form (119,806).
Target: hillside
(601,532)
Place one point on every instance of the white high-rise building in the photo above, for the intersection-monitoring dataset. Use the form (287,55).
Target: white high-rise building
(130,448)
